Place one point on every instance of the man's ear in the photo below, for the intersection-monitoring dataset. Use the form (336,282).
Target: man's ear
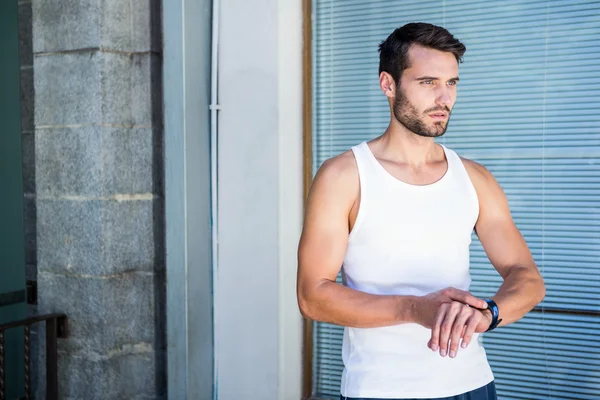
(387,84)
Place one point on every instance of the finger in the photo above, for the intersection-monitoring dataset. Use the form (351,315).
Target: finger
(465,298)
(446,327)
(435,331)
(457,329)
(469,330)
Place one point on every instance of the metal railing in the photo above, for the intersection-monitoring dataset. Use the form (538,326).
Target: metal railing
(56,327)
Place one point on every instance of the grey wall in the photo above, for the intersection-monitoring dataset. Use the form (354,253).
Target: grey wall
(246,317)
(258,327)
(99,192)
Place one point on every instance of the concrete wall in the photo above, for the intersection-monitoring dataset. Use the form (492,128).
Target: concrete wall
(99,192)
(258,326)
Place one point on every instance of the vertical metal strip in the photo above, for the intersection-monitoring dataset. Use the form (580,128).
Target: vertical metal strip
(2,376)
(51,361)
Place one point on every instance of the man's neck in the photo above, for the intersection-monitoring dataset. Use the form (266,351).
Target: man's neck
(400,145)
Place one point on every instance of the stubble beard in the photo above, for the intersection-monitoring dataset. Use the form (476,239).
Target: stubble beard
(408,116)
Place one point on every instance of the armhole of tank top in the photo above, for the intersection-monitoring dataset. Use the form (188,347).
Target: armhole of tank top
(359,159)
(471,185)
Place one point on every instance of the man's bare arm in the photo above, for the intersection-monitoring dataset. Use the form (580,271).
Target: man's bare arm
(321,252)
(523,287)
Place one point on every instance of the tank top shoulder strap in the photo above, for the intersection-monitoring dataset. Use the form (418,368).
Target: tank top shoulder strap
(455,163)
(367,183)
(363,156)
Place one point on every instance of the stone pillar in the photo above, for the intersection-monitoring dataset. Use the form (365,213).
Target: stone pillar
(99,192)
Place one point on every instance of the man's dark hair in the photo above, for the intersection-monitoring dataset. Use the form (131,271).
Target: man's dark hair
(393,51)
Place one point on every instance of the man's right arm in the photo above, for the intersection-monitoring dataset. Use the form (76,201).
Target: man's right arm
(321,252)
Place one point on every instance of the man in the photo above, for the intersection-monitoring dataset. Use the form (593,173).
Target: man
(396,214)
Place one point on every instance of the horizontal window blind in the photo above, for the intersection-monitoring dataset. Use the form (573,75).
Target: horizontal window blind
(528,109)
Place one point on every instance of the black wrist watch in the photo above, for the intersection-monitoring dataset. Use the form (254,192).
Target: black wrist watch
(493,307)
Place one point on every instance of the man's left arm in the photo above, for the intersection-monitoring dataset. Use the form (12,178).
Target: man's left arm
(523,287)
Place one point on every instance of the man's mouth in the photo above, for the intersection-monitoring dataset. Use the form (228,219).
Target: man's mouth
(439,115)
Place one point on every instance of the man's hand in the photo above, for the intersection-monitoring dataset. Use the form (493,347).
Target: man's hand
(451,314)
(456,321)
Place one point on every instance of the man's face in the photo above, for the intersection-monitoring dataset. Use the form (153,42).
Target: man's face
(427,91)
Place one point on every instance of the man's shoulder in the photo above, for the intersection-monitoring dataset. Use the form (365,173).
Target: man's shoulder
(474,169)
(481,177)
(341,167)
(337,178)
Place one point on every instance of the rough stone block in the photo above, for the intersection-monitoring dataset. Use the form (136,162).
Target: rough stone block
(94,161)
(145,93)
(30,223)
(117,99)
(67,88)
(117,364)
(128,26)
(127,89)
(25,37)
(27,100)
(94,87)
(128,161)
(69,161)
(95,237)
(28,149)
(66,24)
(107,315)
(128,235)
(124,377)
(69,236)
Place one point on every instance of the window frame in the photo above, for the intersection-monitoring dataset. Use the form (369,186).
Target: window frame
(307,140)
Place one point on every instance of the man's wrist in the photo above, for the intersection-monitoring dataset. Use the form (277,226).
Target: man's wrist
(410,311)
(487,313)
(495,314)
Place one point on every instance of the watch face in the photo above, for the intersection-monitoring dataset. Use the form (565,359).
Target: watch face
(493,307)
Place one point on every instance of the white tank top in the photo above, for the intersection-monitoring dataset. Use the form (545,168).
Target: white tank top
(409,240)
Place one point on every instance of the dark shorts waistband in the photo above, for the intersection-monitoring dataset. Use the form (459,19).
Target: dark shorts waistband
(487,392)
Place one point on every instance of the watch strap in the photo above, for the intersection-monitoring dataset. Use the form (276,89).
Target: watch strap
(493,307)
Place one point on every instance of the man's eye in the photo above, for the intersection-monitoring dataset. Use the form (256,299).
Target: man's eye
(427,82)
(452,83)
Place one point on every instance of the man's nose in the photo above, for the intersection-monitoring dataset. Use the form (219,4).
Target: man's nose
(444,97)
